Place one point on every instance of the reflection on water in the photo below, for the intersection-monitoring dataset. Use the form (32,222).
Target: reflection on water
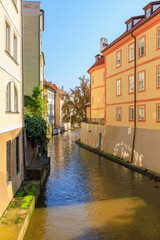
(88,197)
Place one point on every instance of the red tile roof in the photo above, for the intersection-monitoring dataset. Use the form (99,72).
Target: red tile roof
(49,85)
(97,63)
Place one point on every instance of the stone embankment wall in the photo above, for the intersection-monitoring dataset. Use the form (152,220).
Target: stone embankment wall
(118,141)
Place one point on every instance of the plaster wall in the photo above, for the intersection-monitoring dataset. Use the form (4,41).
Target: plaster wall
(8,189)
(118,142)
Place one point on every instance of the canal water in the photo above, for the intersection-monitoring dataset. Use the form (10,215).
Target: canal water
(89,197)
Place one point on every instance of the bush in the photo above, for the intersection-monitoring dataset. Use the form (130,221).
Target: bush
(35,127)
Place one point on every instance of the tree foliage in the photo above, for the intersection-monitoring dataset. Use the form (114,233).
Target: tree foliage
(35,127)
(74,101)
(36,103)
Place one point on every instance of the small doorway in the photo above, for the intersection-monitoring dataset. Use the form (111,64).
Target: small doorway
(100,138)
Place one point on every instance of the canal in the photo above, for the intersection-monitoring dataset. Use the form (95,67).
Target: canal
(89,197)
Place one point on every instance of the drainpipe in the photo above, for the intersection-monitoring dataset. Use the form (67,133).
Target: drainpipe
(90,98)
(134,133)
(22,77)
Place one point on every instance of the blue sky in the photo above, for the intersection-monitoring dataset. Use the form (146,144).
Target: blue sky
(73,29)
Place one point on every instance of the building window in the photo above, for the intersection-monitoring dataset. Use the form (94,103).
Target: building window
(15,47)
(93,80)
(131,113)
(15,100)
(158,112)
(7,37)
(131,84)
(158,77)
(15,2)
(131,52)
(118,59)
(17,155)
(93,100)
(8,98)
(118,87)
(104,76)
(141,47)
(158,38)
(118,113)
(141,113)
(8,153)
(148,13)
(129,26)
(141,82)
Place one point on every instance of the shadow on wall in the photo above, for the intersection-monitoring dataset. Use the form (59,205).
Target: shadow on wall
(123,150)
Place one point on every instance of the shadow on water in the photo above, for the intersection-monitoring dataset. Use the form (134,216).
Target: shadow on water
(88,197)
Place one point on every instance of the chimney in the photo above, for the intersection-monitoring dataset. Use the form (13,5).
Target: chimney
(103,44)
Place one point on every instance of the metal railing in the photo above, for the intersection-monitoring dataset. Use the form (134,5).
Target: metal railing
(100,121)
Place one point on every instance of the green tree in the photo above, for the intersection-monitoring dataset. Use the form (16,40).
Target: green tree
(74,101)
(36,103)
(35,128)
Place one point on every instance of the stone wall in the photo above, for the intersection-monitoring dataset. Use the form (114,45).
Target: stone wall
(118,142)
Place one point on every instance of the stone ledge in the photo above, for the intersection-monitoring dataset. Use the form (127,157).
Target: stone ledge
(152,175)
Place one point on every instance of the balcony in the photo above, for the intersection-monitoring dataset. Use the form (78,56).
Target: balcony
(99,121)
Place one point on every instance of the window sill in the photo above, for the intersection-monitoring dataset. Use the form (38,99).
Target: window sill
(8,183)
(10,112)
(11,57)
(15,6)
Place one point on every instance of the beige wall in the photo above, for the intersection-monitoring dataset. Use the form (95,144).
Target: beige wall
(32,45)
(57,109)
(8,189)
(118,142)
(11,122)
(10,70)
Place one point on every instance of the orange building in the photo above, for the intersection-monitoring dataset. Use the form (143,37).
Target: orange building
(125,90)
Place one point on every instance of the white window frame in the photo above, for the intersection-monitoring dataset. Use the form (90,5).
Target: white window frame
(131,113)
(158,38)
(131,84)
(148,11)
(158,77)
(118,113)
(158,112)
(118,87)
(131,52)
(141,113)
(129,26)
(141,47)
(15,99)
(141,81)
(8,97)
(15,42)
(92,100)
(118,59)
(8,30)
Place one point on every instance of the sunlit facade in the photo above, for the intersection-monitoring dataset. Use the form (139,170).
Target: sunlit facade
(11,120)
(127,95)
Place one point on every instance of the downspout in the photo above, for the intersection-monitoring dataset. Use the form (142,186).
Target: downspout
(135,73)
(90,98)
(22,76)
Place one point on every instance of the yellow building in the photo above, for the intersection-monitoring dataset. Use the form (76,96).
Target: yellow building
(131,86)
(97,78)
(11,120)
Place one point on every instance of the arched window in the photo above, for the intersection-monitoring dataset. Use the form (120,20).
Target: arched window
(8,97)
(15,100)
